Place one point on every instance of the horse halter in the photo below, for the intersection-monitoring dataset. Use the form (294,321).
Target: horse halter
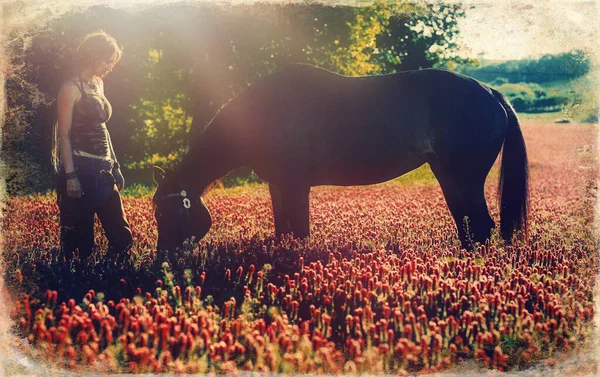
(187,204)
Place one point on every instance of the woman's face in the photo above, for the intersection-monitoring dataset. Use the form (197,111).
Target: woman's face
(104,67)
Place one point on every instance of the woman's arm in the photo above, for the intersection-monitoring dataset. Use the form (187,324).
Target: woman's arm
(67,96)
(66,101)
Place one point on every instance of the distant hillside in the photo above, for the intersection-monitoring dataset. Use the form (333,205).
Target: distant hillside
(560,83)
(549,68)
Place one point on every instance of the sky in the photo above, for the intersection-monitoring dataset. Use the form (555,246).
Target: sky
(513,30)
(494,29)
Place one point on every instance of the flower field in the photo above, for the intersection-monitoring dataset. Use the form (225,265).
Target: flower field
(381,287)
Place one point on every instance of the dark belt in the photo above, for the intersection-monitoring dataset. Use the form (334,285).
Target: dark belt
(93,163)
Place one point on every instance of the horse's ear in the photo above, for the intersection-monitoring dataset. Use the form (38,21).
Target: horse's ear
(158,174)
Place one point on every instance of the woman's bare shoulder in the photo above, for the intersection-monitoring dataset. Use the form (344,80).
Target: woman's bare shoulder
(72,81)
(70,89)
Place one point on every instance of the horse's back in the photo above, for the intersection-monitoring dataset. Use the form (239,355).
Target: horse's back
(330,127)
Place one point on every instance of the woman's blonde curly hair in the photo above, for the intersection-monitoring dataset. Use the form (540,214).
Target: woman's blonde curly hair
(97,46)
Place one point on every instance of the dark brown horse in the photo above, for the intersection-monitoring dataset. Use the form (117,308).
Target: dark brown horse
(303,126)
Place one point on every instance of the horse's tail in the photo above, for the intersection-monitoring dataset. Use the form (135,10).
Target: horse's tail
(513,187)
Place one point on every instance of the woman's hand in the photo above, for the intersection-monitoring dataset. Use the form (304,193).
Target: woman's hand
(120,181)
(74,188)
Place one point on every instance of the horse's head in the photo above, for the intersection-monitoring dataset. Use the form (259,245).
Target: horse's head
(179,212)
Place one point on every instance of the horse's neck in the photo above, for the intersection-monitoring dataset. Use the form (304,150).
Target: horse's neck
(201,174)
(205,163)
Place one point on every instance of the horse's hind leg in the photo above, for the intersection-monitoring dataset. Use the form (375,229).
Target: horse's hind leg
(465,198)
(290,209)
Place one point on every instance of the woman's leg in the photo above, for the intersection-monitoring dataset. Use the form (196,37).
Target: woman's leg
(76,224)
(114,222)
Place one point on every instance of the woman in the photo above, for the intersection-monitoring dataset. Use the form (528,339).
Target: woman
(89,177)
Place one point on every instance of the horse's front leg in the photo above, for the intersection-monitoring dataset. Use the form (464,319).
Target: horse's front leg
(290,209)
(281,226)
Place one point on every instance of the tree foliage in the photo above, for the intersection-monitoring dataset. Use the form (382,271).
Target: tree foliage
(183,62)
(161,114)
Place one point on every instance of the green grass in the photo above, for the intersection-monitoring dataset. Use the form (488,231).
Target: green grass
(136,189)
(424,176)
(421,175)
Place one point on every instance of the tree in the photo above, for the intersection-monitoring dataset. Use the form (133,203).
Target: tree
(163,121)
